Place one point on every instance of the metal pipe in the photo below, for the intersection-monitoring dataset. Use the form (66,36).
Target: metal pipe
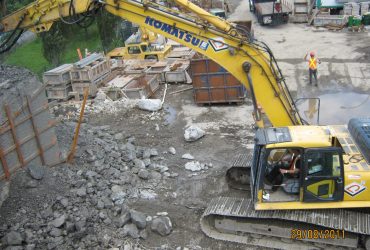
(75,138)
(214,20)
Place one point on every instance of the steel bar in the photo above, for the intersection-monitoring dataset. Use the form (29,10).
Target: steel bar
(4,164)
(75,138)
(37,136)
(14,134)
(88,60)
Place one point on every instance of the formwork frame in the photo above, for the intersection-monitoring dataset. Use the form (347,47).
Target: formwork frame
(27,135)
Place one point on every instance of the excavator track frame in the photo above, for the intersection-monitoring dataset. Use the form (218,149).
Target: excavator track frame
(237,221)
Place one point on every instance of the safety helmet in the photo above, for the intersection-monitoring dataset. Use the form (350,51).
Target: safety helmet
(312,53)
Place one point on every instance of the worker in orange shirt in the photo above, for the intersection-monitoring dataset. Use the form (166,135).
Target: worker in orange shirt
(312,65)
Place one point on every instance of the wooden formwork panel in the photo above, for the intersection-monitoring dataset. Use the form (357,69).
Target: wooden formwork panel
(79,87)
(142,87)
(90,73)
(27,136)
(58,93)
(59,75)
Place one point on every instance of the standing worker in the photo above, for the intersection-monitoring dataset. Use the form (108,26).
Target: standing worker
(312,65)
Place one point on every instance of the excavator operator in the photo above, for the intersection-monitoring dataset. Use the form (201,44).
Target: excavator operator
(287,166)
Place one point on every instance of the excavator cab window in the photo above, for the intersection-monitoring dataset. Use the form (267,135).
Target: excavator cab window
(134,50)
(144,48)
(322,175)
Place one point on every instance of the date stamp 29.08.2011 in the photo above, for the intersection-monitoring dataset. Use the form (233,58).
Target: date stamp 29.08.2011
(300,234)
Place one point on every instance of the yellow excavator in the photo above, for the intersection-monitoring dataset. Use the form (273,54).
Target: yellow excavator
(309,185)
(142,45)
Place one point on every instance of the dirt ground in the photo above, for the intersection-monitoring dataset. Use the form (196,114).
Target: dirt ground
(344,69)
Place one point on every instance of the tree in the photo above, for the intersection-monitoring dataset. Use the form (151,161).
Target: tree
(108,26)
(3,7)
(53,44)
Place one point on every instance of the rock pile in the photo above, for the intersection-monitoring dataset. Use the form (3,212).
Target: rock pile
(112,170)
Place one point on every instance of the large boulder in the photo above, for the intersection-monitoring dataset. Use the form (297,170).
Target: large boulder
(131,230)
(193,133)
(37,172)
(162,225)
(138,218)
(150,104)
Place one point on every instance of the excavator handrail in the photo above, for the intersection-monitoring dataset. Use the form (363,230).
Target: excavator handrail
(250,61)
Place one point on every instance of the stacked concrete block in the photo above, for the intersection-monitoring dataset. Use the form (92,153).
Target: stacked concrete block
(364,7)
(351,9)
(58,82)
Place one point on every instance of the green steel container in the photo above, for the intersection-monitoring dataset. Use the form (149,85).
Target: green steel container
(350,21)
(366,19)
(356,21)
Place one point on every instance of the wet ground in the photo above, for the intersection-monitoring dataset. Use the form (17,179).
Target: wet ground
(335,108)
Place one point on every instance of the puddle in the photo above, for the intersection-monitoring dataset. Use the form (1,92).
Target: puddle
(171,115)
(336,108)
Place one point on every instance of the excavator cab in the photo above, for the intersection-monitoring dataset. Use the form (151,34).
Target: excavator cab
(284,172)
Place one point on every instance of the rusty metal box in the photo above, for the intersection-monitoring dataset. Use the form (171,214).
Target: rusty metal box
(213,84)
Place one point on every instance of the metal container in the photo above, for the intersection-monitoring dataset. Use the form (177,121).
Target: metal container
(366,19)
(213,84)
(142,87)
(59,75)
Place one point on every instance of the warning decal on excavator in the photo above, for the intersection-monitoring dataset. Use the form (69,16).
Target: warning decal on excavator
(354,188)
(218,44)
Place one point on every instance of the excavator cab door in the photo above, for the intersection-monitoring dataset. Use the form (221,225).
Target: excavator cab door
(322,178)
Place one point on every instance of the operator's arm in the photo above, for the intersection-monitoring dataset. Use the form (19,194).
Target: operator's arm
(305,57)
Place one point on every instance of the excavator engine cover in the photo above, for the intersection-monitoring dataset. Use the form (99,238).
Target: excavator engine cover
(359,129)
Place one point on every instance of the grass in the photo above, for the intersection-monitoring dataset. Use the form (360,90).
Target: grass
(30,55)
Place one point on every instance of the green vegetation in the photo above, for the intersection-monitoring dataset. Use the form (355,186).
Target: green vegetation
(31,56)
